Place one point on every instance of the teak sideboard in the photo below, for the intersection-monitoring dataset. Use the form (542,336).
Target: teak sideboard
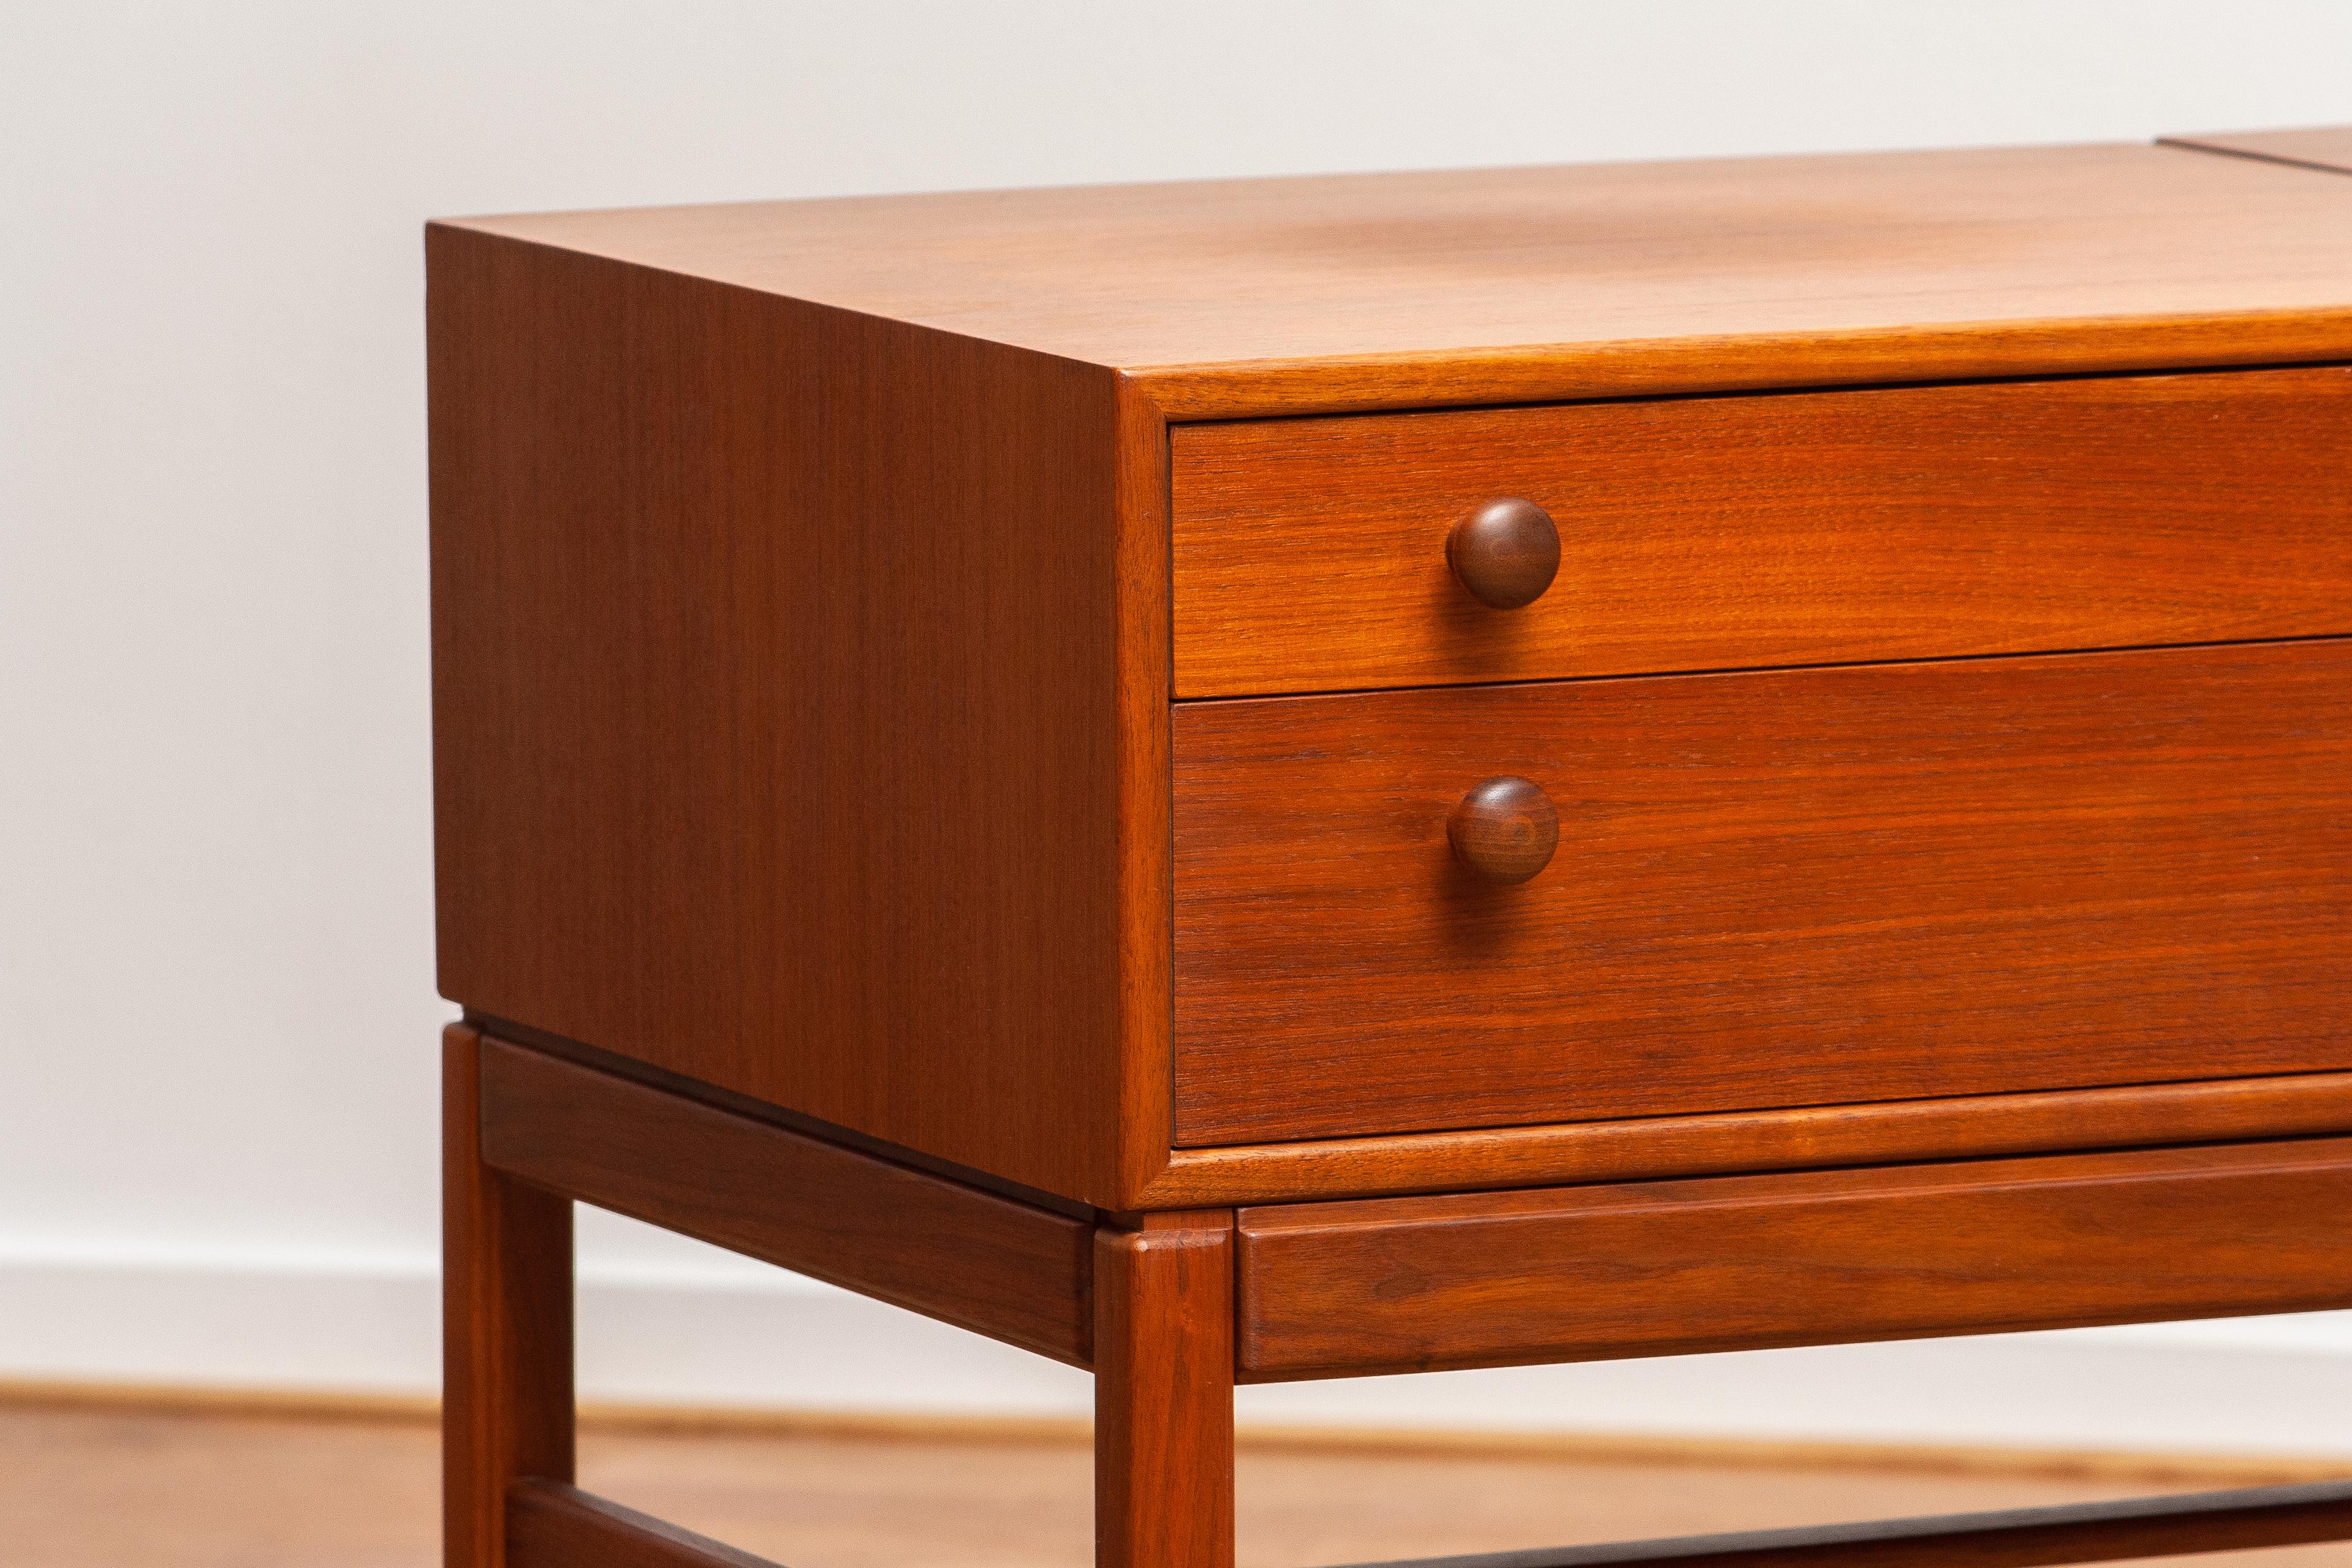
(1290,778)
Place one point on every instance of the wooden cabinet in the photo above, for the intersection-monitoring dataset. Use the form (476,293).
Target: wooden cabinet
(1057,756)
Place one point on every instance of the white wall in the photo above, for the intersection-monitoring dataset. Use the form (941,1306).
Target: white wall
(216,1017)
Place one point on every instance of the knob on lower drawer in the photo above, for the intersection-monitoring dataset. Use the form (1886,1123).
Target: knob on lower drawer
(1505,830)
(1505,553)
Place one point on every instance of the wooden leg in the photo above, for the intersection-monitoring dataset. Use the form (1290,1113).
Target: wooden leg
(1164,1393)
(506,1406)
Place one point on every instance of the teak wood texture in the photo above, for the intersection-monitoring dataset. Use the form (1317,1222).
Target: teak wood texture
(2220,1110)
(505,1341)
(1803,888)
(1717,533)
(829,832)
(1008,1269)
(1238,297)
(1179,1308)
(553,1525)
(799,710)
(1751,1262)
(808,609)
(1164,1393)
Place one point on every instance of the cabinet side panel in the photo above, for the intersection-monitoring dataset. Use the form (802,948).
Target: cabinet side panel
(775,706)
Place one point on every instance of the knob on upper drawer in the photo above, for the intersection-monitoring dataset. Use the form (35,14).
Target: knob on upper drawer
(1505,830)
(1505,553)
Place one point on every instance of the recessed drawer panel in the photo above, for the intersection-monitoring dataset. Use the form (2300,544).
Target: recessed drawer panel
(1747,532)
(1781,888)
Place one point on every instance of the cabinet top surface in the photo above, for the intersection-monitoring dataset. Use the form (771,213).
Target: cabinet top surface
(1633,260)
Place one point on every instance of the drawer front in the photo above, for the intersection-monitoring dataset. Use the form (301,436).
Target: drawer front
(1783,888)
(1791,528)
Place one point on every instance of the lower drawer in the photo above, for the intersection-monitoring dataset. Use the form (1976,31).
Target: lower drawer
(1800,887)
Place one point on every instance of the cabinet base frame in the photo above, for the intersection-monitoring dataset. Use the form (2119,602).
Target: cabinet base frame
(1167,1308)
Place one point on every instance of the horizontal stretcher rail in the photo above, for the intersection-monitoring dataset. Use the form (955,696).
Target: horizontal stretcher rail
(551,1525)
(1719,1263)
(982,1262)
(2019,1538)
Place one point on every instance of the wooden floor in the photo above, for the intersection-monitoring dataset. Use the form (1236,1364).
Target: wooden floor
(144,1488)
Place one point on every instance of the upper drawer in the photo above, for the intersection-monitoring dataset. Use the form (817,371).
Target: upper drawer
(1787,528)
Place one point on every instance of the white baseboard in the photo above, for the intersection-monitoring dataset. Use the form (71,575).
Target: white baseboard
(730,1336)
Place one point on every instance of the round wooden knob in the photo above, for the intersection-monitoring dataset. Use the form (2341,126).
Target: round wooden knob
(1505,553)
(1505,830)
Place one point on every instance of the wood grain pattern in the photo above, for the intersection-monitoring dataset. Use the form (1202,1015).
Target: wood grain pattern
(2324,147)
(2013,1538)
(1234,297)
(783,728)
(1145,868)
(552,1525)
(1164,1393)
(1719,533)
(2224,1111)
(1804,887)
(800,595)
(506,1339)
(2005,350)
(1748,1262)
(971,1258)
